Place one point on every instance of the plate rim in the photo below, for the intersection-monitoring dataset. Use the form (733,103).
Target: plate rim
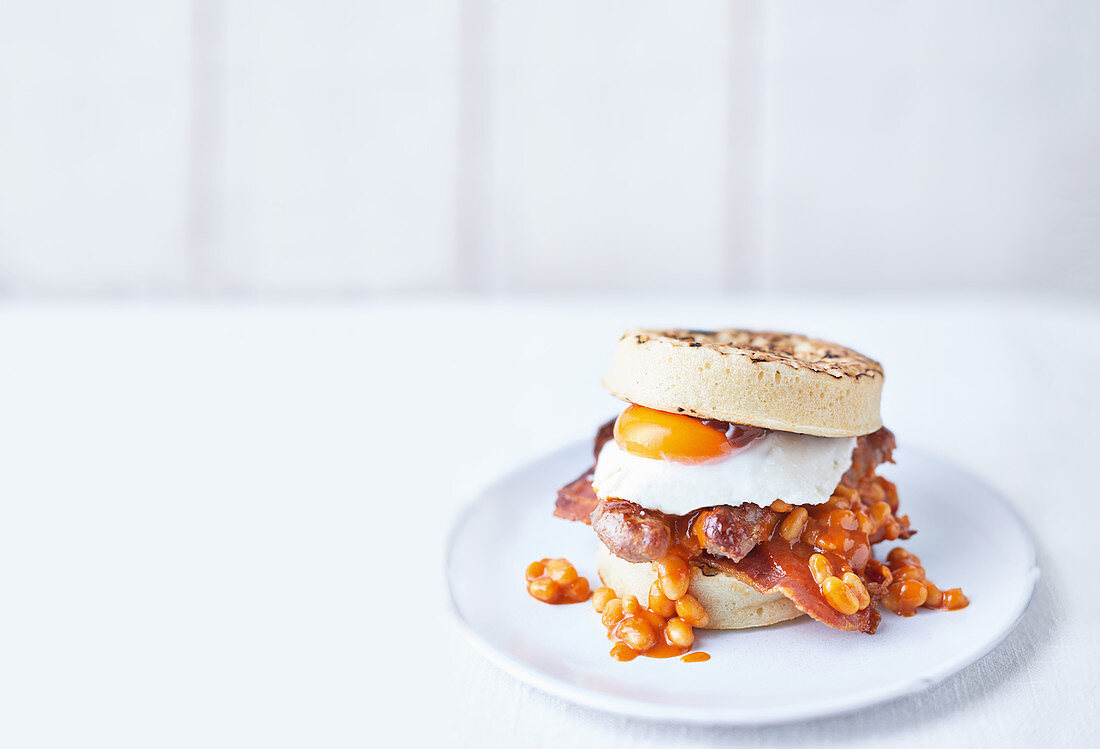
(593,699)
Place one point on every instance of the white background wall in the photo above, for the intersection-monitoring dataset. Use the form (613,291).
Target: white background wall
(249,147)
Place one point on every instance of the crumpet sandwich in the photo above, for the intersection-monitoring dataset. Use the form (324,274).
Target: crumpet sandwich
(740,488)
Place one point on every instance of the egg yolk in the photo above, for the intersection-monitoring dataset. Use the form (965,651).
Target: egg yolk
(649,433)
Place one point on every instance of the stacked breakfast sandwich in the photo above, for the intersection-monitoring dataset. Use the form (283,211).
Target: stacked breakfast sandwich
(750,459)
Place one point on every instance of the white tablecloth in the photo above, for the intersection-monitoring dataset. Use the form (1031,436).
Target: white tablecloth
(224,524)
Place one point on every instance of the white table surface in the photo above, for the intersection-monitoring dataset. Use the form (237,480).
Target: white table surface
(223,525)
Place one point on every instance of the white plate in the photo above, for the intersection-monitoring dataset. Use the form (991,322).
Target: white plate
(969,537)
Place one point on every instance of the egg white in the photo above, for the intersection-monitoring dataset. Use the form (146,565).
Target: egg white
(797,468)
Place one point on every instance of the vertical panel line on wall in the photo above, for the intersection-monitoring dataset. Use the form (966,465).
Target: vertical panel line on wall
(744,260)
(472,172)
(203,210)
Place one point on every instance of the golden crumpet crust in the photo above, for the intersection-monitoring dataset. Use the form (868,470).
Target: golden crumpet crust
(781,381)
(729,603)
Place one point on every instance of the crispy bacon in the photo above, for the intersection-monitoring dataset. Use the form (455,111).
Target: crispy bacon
(604,434)
(775,565)
(577,500)
(871,451)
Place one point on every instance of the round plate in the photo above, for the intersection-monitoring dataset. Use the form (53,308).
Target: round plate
(969,537)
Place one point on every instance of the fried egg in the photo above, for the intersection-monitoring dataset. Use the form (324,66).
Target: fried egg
(676,464)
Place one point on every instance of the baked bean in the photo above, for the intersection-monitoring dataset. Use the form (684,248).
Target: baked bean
(637,633)
(872,493)
(865,525)
(561,571)
(935,596)
(794,523)
(692,612)
(612,612)
(656,621)
(893,530)
(556,581)
(900,556)
(912,592)
(909,572)
(835,539)
(845,519)
(660,603)
(544,589)
(839,596)
(839,502)
(863,598)
(674,576)
(679,633)
(820,568)
(535,569)
(780,506)
(953,599)
(844,492)
(601,597)
(620,651)
(879,513)
(631,605)
(905,597)
(577,590)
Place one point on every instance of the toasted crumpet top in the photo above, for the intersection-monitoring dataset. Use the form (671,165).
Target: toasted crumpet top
(782,381)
